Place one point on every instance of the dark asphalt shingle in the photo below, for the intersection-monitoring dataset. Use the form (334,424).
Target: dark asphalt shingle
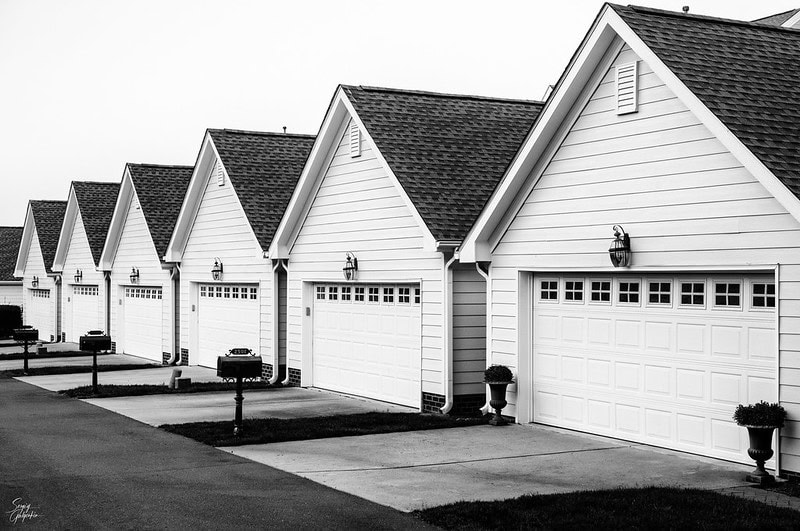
(9,249)
(448,151)
(160,190)
(747,74)
(264,169)
(777,20)
(48,216)
(96,202)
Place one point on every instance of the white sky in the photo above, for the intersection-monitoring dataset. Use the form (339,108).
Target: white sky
(88,85)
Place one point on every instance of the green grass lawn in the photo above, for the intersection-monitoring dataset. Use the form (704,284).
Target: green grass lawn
(259,431)
(76,369)
(110,391)
(647,508)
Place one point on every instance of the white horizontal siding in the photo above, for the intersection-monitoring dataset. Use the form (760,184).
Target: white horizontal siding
(136,249)
(79,256)
(684,199)
(469,330)
(221,230)
(34,267)
(358,208)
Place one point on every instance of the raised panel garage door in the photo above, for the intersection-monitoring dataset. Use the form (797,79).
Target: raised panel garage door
(85,310)
(662,360)
(39,313)
(367,341)
(228,317)
(142,322)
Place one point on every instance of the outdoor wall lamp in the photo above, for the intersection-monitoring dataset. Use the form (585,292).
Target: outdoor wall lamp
(620,250)
(216,270)
(134,275)
(350,267)
(35,281)
(78,275)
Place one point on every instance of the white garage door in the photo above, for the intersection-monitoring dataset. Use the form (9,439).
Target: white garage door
(662,360)
(228,317)
(39,313)
(85,306)
(142,320)
(367,341)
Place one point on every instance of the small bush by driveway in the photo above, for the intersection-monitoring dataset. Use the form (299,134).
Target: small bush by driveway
(111,391)
(271,430)
(647,508)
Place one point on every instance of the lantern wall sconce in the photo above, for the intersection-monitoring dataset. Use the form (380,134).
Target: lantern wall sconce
(134,275)
(620,250)
(78,275)
(35,281)
(350,266)
(216,270)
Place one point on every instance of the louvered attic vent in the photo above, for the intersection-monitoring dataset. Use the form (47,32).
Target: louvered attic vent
(219,174)
(355,140)
(627,88)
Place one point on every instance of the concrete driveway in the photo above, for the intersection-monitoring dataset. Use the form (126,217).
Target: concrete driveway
(156,376)
(77,361)
(421,469)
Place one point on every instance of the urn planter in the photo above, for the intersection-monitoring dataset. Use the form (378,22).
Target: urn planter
(497,377)
(760,420)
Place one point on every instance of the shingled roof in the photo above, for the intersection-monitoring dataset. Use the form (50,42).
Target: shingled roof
(747,74)
(779,19)
(9,249)
(48,216)
(264,169)
(160,190)
(96,202)
(448,151)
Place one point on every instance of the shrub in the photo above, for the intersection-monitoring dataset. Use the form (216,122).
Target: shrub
(10,318)
(498,373)
(761,414)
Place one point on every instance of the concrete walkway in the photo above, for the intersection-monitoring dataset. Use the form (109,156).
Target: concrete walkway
(415,470)
(76,361)
(8,346)
(157,376)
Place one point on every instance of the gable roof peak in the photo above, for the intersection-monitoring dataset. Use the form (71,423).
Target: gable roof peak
(700,18)
(389,90)
(259,133)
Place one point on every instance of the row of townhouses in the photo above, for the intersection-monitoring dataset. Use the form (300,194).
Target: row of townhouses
(630,247)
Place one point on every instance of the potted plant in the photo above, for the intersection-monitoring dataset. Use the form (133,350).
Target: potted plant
(498,377)
(760,420)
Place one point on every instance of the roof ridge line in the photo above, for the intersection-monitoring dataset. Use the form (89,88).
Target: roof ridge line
(263,133)
(443,94)
(708,18)
(152,165)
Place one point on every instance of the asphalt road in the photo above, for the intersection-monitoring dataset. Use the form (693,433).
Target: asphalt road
(77,466)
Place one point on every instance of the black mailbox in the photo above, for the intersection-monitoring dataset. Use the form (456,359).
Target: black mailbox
(26,334)
(95,340)
(239,363)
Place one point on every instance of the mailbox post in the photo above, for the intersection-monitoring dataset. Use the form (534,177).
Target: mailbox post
(95,340)
(26,334)
(239,363)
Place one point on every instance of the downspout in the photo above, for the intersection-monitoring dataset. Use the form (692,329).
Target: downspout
(57,327)
(778,372)
(447,333)
(286,268)
(276,323)
(485,408)
(107,279)
(174,273)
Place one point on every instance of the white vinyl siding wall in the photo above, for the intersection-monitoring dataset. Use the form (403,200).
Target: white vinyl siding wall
(136,249)
(469,330)
(221,229)
(79,256)
(358,208)
(34,267)
(684,199)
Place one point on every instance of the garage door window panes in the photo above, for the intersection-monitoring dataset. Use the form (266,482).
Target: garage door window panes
(346,293)
(374,294)
(693,294)
(548,291)
(333,293)
(728,295)
(143,293)
(763,295)
(90,291)
(359,294)
(230,292)
(573,291)
(600,291)
(659,293)
(388,295)
(403,295)
(628,292)
(40,293)
(391,295)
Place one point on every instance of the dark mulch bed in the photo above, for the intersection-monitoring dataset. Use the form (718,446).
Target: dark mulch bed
(789,488)
(77,369)
(647,508)
(260,431)
(33,356)
(110,391)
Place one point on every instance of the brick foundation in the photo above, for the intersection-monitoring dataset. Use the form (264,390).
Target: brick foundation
(266,372)
(63,337)
(432,403)
(468,405)
(294,377)
(165,356)
(113,347)
(184,356)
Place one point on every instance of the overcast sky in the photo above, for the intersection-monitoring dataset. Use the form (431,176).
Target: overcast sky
(88,85)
